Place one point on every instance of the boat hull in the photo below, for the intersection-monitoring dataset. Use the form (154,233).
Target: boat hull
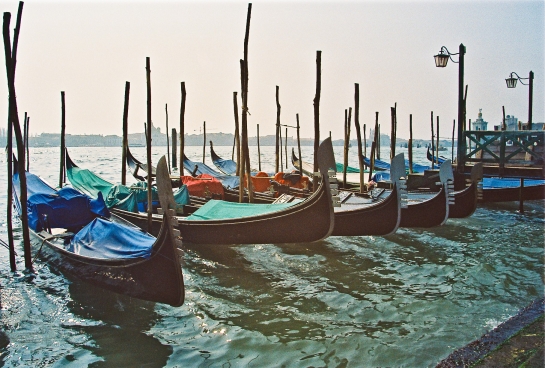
(157,279)
(308,221)
(381,218)
(428,213)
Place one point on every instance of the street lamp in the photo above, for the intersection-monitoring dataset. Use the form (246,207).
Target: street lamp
(512,83)
(441,60)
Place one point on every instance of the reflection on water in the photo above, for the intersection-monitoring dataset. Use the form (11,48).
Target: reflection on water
(408,299)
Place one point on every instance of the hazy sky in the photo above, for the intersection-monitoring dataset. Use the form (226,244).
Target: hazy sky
(90,49)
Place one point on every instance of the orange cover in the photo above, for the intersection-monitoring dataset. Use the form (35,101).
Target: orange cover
(204,185)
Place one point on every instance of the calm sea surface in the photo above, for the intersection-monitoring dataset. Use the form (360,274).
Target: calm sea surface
(408,299)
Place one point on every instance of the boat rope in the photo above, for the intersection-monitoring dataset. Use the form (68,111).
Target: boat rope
(245,108)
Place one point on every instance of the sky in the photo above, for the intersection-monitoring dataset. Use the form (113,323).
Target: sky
(90,49)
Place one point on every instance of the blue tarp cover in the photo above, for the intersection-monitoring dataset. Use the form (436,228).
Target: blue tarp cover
(226,180)
(66,208)
(218,210)
(227,166)
(108,240)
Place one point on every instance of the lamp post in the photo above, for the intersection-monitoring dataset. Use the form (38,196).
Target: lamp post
(441,61)
(512,83)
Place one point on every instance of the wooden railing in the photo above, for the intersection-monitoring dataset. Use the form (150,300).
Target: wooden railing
(505,149)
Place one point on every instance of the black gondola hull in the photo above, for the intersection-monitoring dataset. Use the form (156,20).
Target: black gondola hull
(308,221)
(428,213)
(157,279)
(382,218)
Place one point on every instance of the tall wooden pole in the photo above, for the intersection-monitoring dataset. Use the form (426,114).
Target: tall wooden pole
(299,145)
(281,143)
(237,132)
(411,143)
(452,148)
(373,147)
(175,150)
(530,98)
(125,140)
(364,141)
(9,148)
(258,150)
(168,139)
(317,116)
(182,127)
(461,150)
(392,133)
(148,143)
(437,144)
(204,141)
(286,148)
(358,132)
(11,62)
(246,157)
(25,138)
(277,162)
(63,146)
(432,143)
(346,143)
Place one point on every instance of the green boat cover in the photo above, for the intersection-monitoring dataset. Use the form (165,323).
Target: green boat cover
(219,210)
(118,196)
(349,169)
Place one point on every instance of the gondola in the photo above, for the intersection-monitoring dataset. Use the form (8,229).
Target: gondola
(426,212)
(305,221)
(358,215)
(422,210)
(138,167)
(228,167)
(505,189)
(99,252)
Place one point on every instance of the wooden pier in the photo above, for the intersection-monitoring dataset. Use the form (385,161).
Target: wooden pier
(507,154)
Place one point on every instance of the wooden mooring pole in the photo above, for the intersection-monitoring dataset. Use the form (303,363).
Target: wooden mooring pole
(125,141)
(175,150)
(148,143)
(521,196)
(63,145)
(182,127)
(317,117)
(299,145)
(168,139)
(277,150)
(432,145)
(410,143)
(13,118)
(358,132)
(258,150)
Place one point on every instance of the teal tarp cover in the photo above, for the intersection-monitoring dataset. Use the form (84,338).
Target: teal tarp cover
(118,196)
(349,169)
(218,210)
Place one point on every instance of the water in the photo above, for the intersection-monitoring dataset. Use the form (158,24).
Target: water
(408,299)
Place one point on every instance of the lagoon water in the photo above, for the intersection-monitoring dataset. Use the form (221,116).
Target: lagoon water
(408,299)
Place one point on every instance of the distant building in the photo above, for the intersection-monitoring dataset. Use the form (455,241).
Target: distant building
(479,124)
(511,122)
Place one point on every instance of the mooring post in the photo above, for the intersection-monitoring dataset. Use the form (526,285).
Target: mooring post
(317,116)
(148,143)
(125,142)
(182,127)
(236,142)
(299,145)
(432,143)
(63,147)
(168,139)
(358,132)
(175,150)
(277,162)
(521,196)
(410,143)
(258,150)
